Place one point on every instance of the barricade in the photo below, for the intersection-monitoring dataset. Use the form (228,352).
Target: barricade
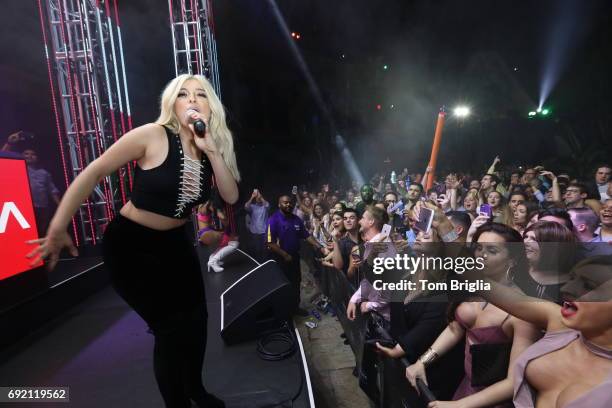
(395,391)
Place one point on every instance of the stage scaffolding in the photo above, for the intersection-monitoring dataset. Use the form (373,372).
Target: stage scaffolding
(193,39)
(84,53)
(195,52)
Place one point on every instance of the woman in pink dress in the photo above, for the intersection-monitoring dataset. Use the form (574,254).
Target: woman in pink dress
(481,323)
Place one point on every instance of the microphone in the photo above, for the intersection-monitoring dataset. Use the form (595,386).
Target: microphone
(198,124)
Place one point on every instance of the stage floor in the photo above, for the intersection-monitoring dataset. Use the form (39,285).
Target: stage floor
(102,351)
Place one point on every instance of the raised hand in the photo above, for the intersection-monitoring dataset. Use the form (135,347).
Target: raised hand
(207,143)
(548,174)
(478,221)
(444,201)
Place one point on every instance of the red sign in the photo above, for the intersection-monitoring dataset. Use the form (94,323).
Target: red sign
(17,220)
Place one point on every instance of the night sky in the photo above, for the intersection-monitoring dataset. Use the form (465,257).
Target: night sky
(490,55)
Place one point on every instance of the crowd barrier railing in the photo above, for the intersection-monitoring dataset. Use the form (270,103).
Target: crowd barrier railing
(393,389)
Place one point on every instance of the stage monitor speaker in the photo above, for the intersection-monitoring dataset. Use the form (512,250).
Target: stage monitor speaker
(258,302)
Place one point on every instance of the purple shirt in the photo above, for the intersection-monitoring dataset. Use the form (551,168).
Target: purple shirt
(286,231)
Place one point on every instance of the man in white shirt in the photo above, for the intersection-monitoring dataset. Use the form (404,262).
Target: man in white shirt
(602,177)
(257,208)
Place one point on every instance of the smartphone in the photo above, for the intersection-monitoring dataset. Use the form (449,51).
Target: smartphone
(425,218)
(386,230)
(294,190)
(485,209)
(410,237)
(397,208)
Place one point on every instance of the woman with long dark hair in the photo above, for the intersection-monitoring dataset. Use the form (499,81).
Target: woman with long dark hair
(550,249)
(522,214)
(481,323)
(153,265)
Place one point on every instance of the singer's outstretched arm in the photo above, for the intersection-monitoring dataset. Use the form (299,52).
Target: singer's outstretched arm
(131,146)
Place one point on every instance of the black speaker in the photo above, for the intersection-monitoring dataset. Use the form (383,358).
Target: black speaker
(258,302)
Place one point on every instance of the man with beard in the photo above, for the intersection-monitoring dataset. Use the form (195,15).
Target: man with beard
(285,232)
(415,191)
(367,198)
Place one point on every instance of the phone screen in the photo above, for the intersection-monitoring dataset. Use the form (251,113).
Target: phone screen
(425,219)
(386,230)
(410,237)
(486,210)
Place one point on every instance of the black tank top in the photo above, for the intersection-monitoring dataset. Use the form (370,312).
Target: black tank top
(174,187)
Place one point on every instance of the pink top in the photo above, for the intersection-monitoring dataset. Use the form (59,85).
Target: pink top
(478,335)
(598,397)
(204,217)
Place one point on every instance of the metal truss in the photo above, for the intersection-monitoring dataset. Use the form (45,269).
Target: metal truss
(90,100)
(195,52)
(193,39)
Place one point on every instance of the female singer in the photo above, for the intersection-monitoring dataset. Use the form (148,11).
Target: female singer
(152,264)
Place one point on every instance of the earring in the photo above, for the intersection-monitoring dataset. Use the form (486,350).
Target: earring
(510,274)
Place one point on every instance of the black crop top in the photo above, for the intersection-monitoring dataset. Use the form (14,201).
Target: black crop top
(174,187)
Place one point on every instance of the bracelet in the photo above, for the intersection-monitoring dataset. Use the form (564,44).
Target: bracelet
(428,357)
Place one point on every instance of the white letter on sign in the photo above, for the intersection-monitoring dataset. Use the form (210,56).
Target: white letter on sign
(10,208)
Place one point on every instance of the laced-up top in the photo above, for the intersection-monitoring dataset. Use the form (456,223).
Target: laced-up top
(174,187)
(189,190)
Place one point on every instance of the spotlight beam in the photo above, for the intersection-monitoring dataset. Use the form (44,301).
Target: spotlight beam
(349,162)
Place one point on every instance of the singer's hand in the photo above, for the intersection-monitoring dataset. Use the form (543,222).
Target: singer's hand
(49,248)
(206,143)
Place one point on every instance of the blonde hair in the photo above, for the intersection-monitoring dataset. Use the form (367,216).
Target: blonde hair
(217,123)
(473,195)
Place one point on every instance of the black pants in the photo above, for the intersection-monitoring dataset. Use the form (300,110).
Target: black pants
(294,276)
(371,364)
(158,274)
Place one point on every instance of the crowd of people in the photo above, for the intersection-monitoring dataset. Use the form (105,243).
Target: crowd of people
(543,237)
(546,243)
